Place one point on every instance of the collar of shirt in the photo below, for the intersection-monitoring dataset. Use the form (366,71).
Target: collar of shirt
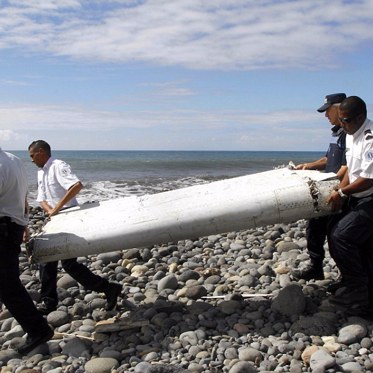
(361,129)
(48,164)
(337,130)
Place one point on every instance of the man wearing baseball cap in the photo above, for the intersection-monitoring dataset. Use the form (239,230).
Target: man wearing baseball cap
(333,161)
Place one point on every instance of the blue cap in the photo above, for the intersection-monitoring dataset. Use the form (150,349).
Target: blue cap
(335,98)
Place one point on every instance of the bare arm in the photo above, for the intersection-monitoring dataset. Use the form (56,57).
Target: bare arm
(342,173)
(70,194)
(359,185)
(315,165)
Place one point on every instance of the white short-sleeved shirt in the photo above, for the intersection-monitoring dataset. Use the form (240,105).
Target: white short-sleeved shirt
(54,179)
(13,188)
(359,155)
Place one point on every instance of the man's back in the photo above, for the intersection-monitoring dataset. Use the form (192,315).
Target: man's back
(13,190)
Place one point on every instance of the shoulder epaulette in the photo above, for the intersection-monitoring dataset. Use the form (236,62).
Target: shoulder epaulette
(368,135)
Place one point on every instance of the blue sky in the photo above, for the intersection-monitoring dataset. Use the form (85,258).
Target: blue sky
(179,74)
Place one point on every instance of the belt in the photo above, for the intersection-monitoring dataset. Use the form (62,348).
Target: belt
(5,219)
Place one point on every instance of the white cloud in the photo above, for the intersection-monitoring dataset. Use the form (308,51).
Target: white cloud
(195,34)
(82,128)
(57,118)
(7,135)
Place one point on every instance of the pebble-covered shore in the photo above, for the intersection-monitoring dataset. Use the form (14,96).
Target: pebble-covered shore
(196,306)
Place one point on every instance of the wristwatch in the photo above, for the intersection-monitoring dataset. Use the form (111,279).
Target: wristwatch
(341,193)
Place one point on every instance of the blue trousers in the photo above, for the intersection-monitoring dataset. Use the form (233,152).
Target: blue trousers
(316,236)
(12,293)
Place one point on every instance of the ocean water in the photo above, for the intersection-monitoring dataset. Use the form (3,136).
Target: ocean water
(113,174)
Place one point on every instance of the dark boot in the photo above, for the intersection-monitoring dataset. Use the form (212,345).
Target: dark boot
(34,340)
(353,297)
(47,306)
(313,272)
(112,293)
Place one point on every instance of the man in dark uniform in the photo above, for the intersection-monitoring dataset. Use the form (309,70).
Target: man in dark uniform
(333,160)
(350,233)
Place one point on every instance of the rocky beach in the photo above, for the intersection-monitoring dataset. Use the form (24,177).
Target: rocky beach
(222,303)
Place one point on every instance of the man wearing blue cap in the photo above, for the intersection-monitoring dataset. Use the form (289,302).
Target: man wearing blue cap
(333,161)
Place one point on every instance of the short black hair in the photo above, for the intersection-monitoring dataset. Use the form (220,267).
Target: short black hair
(354,105)
(40,144)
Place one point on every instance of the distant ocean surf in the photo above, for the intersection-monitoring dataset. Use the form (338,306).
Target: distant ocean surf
(113,174)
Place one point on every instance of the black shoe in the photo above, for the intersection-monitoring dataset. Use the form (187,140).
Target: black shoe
(32,341)
(112,294)
(312,272)
(356,297)
(333,287)
(46,308)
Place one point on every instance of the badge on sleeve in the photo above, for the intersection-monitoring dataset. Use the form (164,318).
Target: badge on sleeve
(65,171)
(370,155)
(368,135)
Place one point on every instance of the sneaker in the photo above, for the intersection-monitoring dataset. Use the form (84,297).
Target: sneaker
(32,341)
(356,297)
(112,294)
(46,308)
(312,272)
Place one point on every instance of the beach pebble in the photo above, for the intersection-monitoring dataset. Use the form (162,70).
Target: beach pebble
(351,333)
(6,355)
(66,281)
(313,325)
(57,318)
(243,367)
(101,365)
(113,257)
(321,360)
(290,301)
(250,354)
(74,347)
(352,367)
(284,246)
(307,353)
(168,282)
(195,292)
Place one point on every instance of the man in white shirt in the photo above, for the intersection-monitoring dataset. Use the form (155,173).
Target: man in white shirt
(351,233)
(13,221)
(57,189)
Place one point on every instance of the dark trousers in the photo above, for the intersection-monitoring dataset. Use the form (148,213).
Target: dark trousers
(48,278)
(351,241)
(12,293)
(316,236)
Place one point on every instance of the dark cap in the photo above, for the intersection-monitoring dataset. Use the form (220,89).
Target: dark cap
(335,98)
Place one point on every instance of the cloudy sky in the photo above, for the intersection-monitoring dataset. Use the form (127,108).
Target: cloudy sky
(179,74)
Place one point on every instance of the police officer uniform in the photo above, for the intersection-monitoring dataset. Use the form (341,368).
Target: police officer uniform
(336,154)
(352,236)
(317,228)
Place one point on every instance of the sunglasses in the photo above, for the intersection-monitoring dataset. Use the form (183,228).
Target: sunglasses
(347,120)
